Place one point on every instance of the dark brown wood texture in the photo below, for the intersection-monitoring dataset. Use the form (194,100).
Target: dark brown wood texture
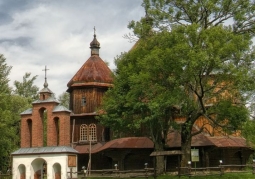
(102,133)
(93,96)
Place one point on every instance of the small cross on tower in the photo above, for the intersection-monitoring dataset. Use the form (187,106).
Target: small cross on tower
(45,82)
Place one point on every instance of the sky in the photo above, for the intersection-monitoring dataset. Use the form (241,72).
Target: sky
(57,34)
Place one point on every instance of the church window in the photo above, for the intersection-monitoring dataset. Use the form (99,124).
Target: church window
(92,132)
(29,124)
(88,133)
(56,128)
(83,101)
(83,132)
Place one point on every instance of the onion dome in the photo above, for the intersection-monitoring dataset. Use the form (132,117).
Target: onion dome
(94,72)
(94,45)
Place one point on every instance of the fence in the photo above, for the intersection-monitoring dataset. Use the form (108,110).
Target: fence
(143,173)
(5,176)
(220,170)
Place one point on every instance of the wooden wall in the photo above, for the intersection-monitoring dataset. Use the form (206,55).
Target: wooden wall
(93,96)
(103,134)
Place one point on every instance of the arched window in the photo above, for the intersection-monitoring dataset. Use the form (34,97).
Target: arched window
(88,133)
(84,132)
(29,133)
(92,132)
(56,131)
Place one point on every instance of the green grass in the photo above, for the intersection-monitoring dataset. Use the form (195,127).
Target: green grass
(225,176)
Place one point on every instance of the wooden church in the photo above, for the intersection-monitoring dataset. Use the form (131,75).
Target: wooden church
(56,141)
(88,137)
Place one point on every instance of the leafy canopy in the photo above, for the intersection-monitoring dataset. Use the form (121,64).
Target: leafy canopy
(11,105)
(163,14)
(193,60)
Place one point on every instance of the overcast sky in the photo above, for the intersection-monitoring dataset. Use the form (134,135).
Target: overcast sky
(57,33)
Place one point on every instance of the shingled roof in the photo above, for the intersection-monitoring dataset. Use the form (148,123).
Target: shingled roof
(121,143)
(174,140)
(94,72)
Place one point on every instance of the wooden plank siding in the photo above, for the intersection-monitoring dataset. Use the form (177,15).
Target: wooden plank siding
(93,97)
(102,132)
(208,126)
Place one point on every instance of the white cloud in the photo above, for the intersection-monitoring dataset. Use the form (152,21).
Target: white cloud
(58,34)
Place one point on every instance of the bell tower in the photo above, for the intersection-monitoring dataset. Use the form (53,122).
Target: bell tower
(45,140)
(87,88)
(47,123)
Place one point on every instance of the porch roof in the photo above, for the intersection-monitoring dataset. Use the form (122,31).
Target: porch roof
(199,140)
(172,152)
(173,141)
(121,143)
(44,150)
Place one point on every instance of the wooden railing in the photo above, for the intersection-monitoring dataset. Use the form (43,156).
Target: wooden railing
(143,173)
(5,176)
(220,170)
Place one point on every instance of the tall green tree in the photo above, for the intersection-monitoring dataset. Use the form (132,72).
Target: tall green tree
(4,73)
(186,58)
(26,88)
(12,103)
(6,143)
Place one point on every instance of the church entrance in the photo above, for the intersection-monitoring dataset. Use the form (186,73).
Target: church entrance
(22,171)
(57,171)
(39,168)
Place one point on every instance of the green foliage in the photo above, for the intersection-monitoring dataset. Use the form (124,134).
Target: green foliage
(185,68)
(11,105)
(64,99)
(4,72)
(164,14)
(6,142)
(187,63)
(26,88)
(248,132)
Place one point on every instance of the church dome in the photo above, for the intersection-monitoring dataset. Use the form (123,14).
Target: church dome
(94,42)
(94,72)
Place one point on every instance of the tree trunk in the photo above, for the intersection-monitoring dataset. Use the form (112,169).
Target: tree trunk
(159,159)
(185,145)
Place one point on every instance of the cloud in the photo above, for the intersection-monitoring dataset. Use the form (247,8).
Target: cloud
(58,33)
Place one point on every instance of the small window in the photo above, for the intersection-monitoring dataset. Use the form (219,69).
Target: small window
(83,101)
(83,132)
(88,133)
(92,132)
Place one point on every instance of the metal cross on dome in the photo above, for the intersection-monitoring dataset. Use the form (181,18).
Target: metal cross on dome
(45,83)
(45,69)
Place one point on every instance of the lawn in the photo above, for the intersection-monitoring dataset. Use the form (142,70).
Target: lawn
(225,176)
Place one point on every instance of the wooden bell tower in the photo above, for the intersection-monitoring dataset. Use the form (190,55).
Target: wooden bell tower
(87,88)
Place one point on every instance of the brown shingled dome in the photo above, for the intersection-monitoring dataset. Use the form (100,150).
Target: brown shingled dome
(94,72)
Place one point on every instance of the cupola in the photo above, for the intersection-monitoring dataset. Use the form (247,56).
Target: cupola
(94,45)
